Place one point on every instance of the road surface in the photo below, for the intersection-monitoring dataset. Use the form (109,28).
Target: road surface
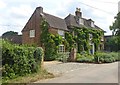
(83,73)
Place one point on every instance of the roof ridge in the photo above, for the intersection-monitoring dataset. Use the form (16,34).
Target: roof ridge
(53,15)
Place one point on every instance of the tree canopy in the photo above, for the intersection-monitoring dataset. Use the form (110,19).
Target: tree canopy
(116,25)
(9,33)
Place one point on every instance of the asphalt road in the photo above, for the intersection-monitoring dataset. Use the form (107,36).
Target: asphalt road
(86,73)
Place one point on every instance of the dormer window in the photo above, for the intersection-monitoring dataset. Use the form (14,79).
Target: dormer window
(81,21)
(92,24)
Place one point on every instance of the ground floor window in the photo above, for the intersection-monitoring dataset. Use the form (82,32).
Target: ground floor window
(61,48)
(92,49)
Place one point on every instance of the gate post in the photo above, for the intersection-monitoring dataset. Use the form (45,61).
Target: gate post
(73,55)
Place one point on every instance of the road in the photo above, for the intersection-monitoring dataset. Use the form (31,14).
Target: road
(85,73)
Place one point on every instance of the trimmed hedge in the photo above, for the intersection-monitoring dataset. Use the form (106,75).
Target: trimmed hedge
(19,60)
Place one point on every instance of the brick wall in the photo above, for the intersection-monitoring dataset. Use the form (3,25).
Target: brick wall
(32,24)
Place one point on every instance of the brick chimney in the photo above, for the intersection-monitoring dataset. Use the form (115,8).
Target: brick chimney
(40,9)
(78,13)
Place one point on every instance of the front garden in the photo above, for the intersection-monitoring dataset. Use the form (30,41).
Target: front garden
(98,57)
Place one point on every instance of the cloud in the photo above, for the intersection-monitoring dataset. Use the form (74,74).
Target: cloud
(2,4)
(17,12)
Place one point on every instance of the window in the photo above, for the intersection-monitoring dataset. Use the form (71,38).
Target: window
(32,33)
(61,48)
(74,33)
(90,36)
(102,38)
(81,21)
(61,33)
(92,24)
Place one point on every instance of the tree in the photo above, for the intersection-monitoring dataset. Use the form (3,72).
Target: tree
(116,29)
(9,33)
(112,44)
(116,25)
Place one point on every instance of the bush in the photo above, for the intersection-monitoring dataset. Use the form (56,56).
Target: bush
(62,56)
(102,57)
(84,58)
(19,60)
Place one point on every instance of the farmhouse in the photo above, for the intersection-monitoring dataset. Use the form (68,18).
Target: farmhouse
(32,30)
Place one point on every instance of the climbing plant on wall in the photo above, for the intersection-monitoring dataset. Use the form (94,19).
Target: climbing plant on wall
(80,36)
(50,42)
(77,37)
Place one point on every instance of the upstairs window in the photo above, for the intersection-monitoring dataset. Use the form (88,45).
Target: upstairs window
(61,33)
(90,36)
(81,21)
(32,33)
(92,24)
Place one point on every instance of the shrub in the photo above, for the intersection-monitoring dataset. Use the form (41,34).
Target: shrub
(19,60)
(102,57)
(62,56)
(84,58)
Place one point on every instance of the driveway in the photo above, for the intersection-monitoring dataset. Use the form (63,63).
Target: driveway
(82,73)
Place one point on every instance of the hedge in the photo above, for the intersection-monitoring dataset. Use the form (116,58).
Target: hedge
(19,60)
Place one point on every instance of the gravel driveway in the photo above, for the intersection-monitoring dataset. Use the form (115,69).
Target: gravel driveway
(58,68)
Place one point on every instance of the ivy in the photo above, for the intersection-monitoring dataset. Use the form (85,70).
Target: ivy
(50,42)
(80,38)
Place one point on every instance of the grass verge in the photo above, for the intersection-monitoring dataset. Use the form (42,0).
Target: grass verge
(41,74)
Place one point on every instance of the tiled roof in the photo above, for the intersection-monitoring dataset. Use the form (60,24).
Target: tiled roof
(71,20)
(55,22)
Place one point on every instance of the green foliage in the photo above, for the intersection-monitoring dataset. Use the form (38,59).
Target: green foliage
(101,57)
(116,25)
(63,56)
(50,42)
(116,30)
(113,43)
(9,33)
(19,60)
(69,40)
(85,58)
(81,38)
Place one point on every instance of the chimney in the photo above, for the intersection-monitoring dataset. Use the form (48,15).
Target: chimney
(118,6)
(40,9)
(78,13)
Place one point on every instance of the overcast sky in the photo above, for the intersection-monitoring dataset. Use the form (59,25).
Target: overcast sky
(14,14)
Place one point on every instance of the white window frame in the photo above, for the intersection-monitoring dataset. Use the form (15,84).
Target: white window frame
(102,38)
(61,33)
(81,21)
(90,36)
(61,48)
(32,33)
(92,24)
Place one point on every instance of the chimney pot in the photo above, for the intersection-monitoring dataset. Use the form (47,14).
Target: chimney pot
(78,13)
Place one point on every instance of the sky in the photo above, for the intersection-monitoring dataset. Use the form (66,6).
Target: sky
(14,14)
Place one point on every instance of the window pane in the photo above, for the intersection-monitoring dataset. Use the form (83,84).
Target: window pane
(61,48)
(32,33)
